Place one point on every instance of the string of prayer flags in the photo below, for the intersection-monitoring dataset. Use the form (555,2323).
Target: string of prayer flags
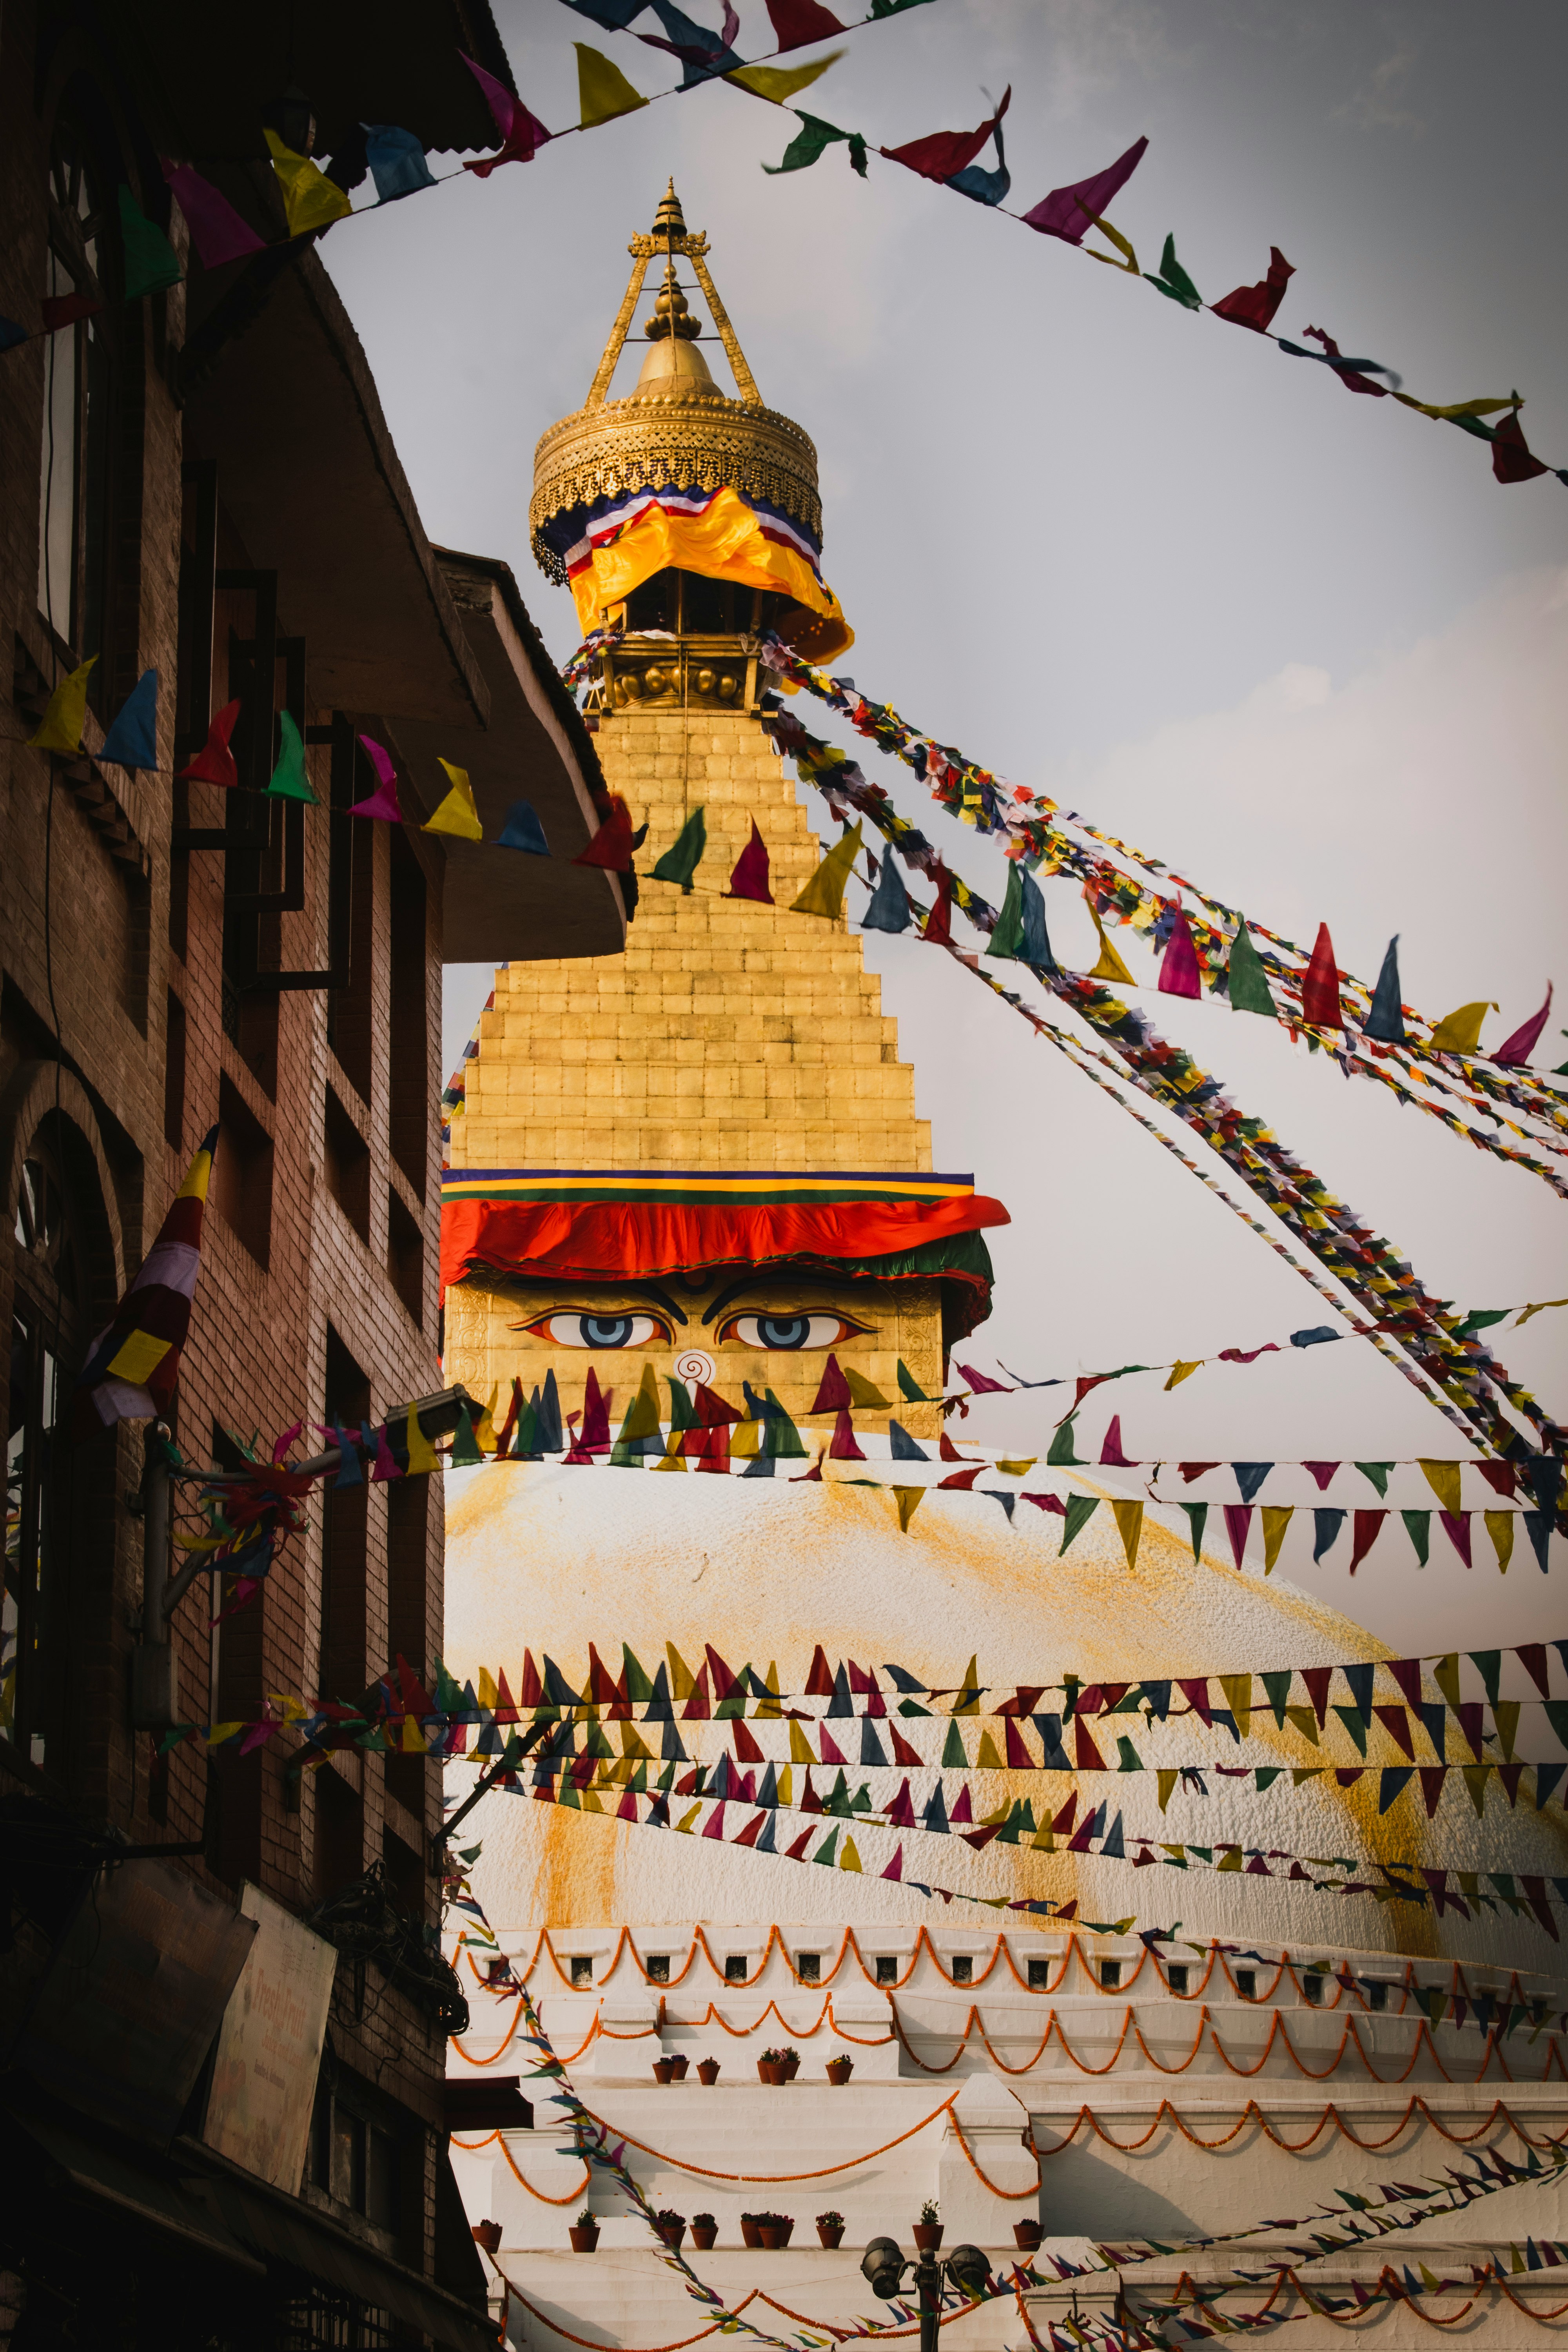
(65,715)
(217,231)
(522,134)
(603,90)
(523,831)
(310,201)
(824,893)
(289,781)
(397,162)
(1255,306)
(749,877)
(150,263)
(132,738)
(215,762)
(456,812)
(133,1366)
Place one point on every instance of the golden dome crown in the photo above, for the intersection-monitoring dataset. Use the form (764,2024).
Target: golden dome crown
(676,427)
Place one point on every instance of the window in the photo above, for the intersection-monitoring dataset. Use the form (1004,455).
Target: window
(735,1970)
(1246,1983)
(408,1016)
(1176,1975)
(1312,1989)
(1377,1996)
(242,1173)
(344,1535)
(886,1969)
(356,2160)
(1110,1975)
(406,1255)
(582,1967)
(808,1967)
(1039,1976)
(346,1158)
(73,472)
(657,1965)
(962,1968)
(339,1832)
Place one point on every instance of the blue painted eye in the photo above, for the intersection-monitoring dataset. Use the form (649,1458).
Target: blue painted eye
(790,1331)
(600,1331)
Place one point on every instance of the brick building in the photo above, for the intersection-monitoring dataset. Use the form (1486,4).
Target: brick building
(200,482)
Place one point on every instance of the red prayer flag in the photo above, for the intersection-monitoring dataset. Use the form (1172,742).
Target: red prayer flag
(964,1478)
(939,922)
(746,1748)
(1512,461)
(521,134)
(1366,1527)
(1531,1656)
(65,309)
(902,1751)
(832,1391)
(1406,1673)
(1191,1470)
(1179,972)
(612,845)
(1351,378)
(1514,1052)
(1238,1526)
(1395,1722)
(1254,306)
(943,152)
(1317,1679)
(1502,1477)
(1085,1755)
(1323,1472)
(1321,985)
(213,763)
(1110,1452)
(1457,1526)
(217,231)
(749,879)
(1018,1757)
(844,1447)
(1069,212)
(819,1682)
(797,22)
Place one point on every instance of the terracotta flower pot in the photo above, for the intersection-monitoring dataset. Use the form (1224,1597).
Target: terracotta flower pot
(791,2068)
(840,2069)
(583,2240)
(673,2233)
(678,2067)
(786,2233)
(703,2234)
(772,2236)
(708,2071)
(927,2236)
(1027,2236)
(663,2070)
(767,2071)
(830,2234)
(749,2235)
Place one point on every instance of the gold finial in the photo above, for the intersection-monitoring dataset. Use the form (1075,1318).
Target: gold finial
(670,314)
(669,221)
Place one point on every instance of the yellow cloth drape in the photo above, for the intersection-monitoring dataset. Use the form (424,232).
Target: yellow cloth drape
(725,542)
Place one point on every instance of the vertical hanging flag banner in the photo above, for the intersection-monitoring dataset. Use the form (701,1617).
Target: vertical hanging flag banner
(133,1365)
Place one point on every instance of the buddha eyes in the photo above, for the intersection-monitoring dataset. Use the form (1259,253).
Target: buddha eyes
(782,1331)
(601,1330)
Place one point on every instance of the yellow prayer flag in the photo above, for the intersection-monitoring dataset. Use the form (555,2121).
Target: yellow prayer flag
(681,1681)
(848,1858)
(769,1705)
(1238,1689)
(1043,1842)
(485,1427)
(1110,966)
(421,1452)
(1167,1777)
(988,1759)
(589,1804)
(1302,1719)
(786,1796)
(1475,1779)
(1180,1371)
(603,89)
(488,1697)
(824,893)
(909,1500)
(683,1826)
(413,1740)
(457,813)
(60,728)
(310,199)
(1446,1675)
(1130,1519)
(1499,1527)
(777,83)
(1231,1859)
(1459,1031)
(799,1753)
(138,1357)
(1539,1308)
(968,1699)
(864,1394)
(672,1457)
(632,1742)
(1128,258)
(1443,1477)
(1457,407)
(1018,1469)
(1505,1714)
(1277,1518)
(746,1440)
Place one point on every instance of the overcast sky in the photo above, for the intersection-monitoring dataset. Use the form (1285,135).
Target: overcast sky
(1298,643)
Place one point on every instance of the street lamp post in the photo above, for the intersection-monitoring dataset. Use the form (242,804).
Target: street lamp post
(883,2265)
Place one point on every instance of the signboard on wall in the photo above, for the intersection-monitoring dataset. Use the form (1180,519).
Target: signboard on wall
(269,2047)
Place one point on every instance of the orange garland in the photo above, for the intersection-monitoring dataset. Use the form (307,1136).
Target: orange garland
(1331,2114)
(883,2336)
(770,2180)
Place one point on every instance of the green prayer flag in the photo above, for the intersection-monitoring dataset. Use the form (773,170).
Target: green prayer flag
(1131,1759)
(1080,1509)
(1418,1528)
(151,261)
(1198,1515)
(825,1851)
(814,137)
(1007,935)
(1277,1687)
(1173,281)
(952,1756)
(1377,1472)
(682,1413)
(680,863)
(1248,982)
(1351,1717)
(638,1687)
(289,781)
(782,1438)
(464,1449)
(1061,1456)
(909,1387)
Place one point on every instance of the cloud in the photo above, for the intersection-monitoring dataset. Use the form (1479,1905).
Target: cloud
(1375,105)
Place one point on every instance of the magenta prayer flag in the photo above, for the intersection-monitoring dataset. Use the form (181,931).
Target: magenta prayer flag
(896,1867)
(1238,1526)
(522,134)
(1321,985)
(750,878)
(1515,1051)
(1069,213)
(1323,1473)
(1457,1526)
(943,152)
(844,1448)
(1179,973)
(980,1384)
(1110,1452)
(383,802)
(1366,1527)
(217,230)
(1254,306)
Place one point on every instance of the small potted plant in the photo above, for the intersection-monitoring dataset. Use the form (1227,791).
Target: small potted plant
(774,2229)
(789,2059)
(768,2066)
(663,2070)
(830,2228)
(488,2234)
(840,2069)
(585,2233)
(928,2229)
(786,2227)
(749,2233)
(708,2071)
(1027,2236)
(671,2227)
(678,2066)
(704,2229)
